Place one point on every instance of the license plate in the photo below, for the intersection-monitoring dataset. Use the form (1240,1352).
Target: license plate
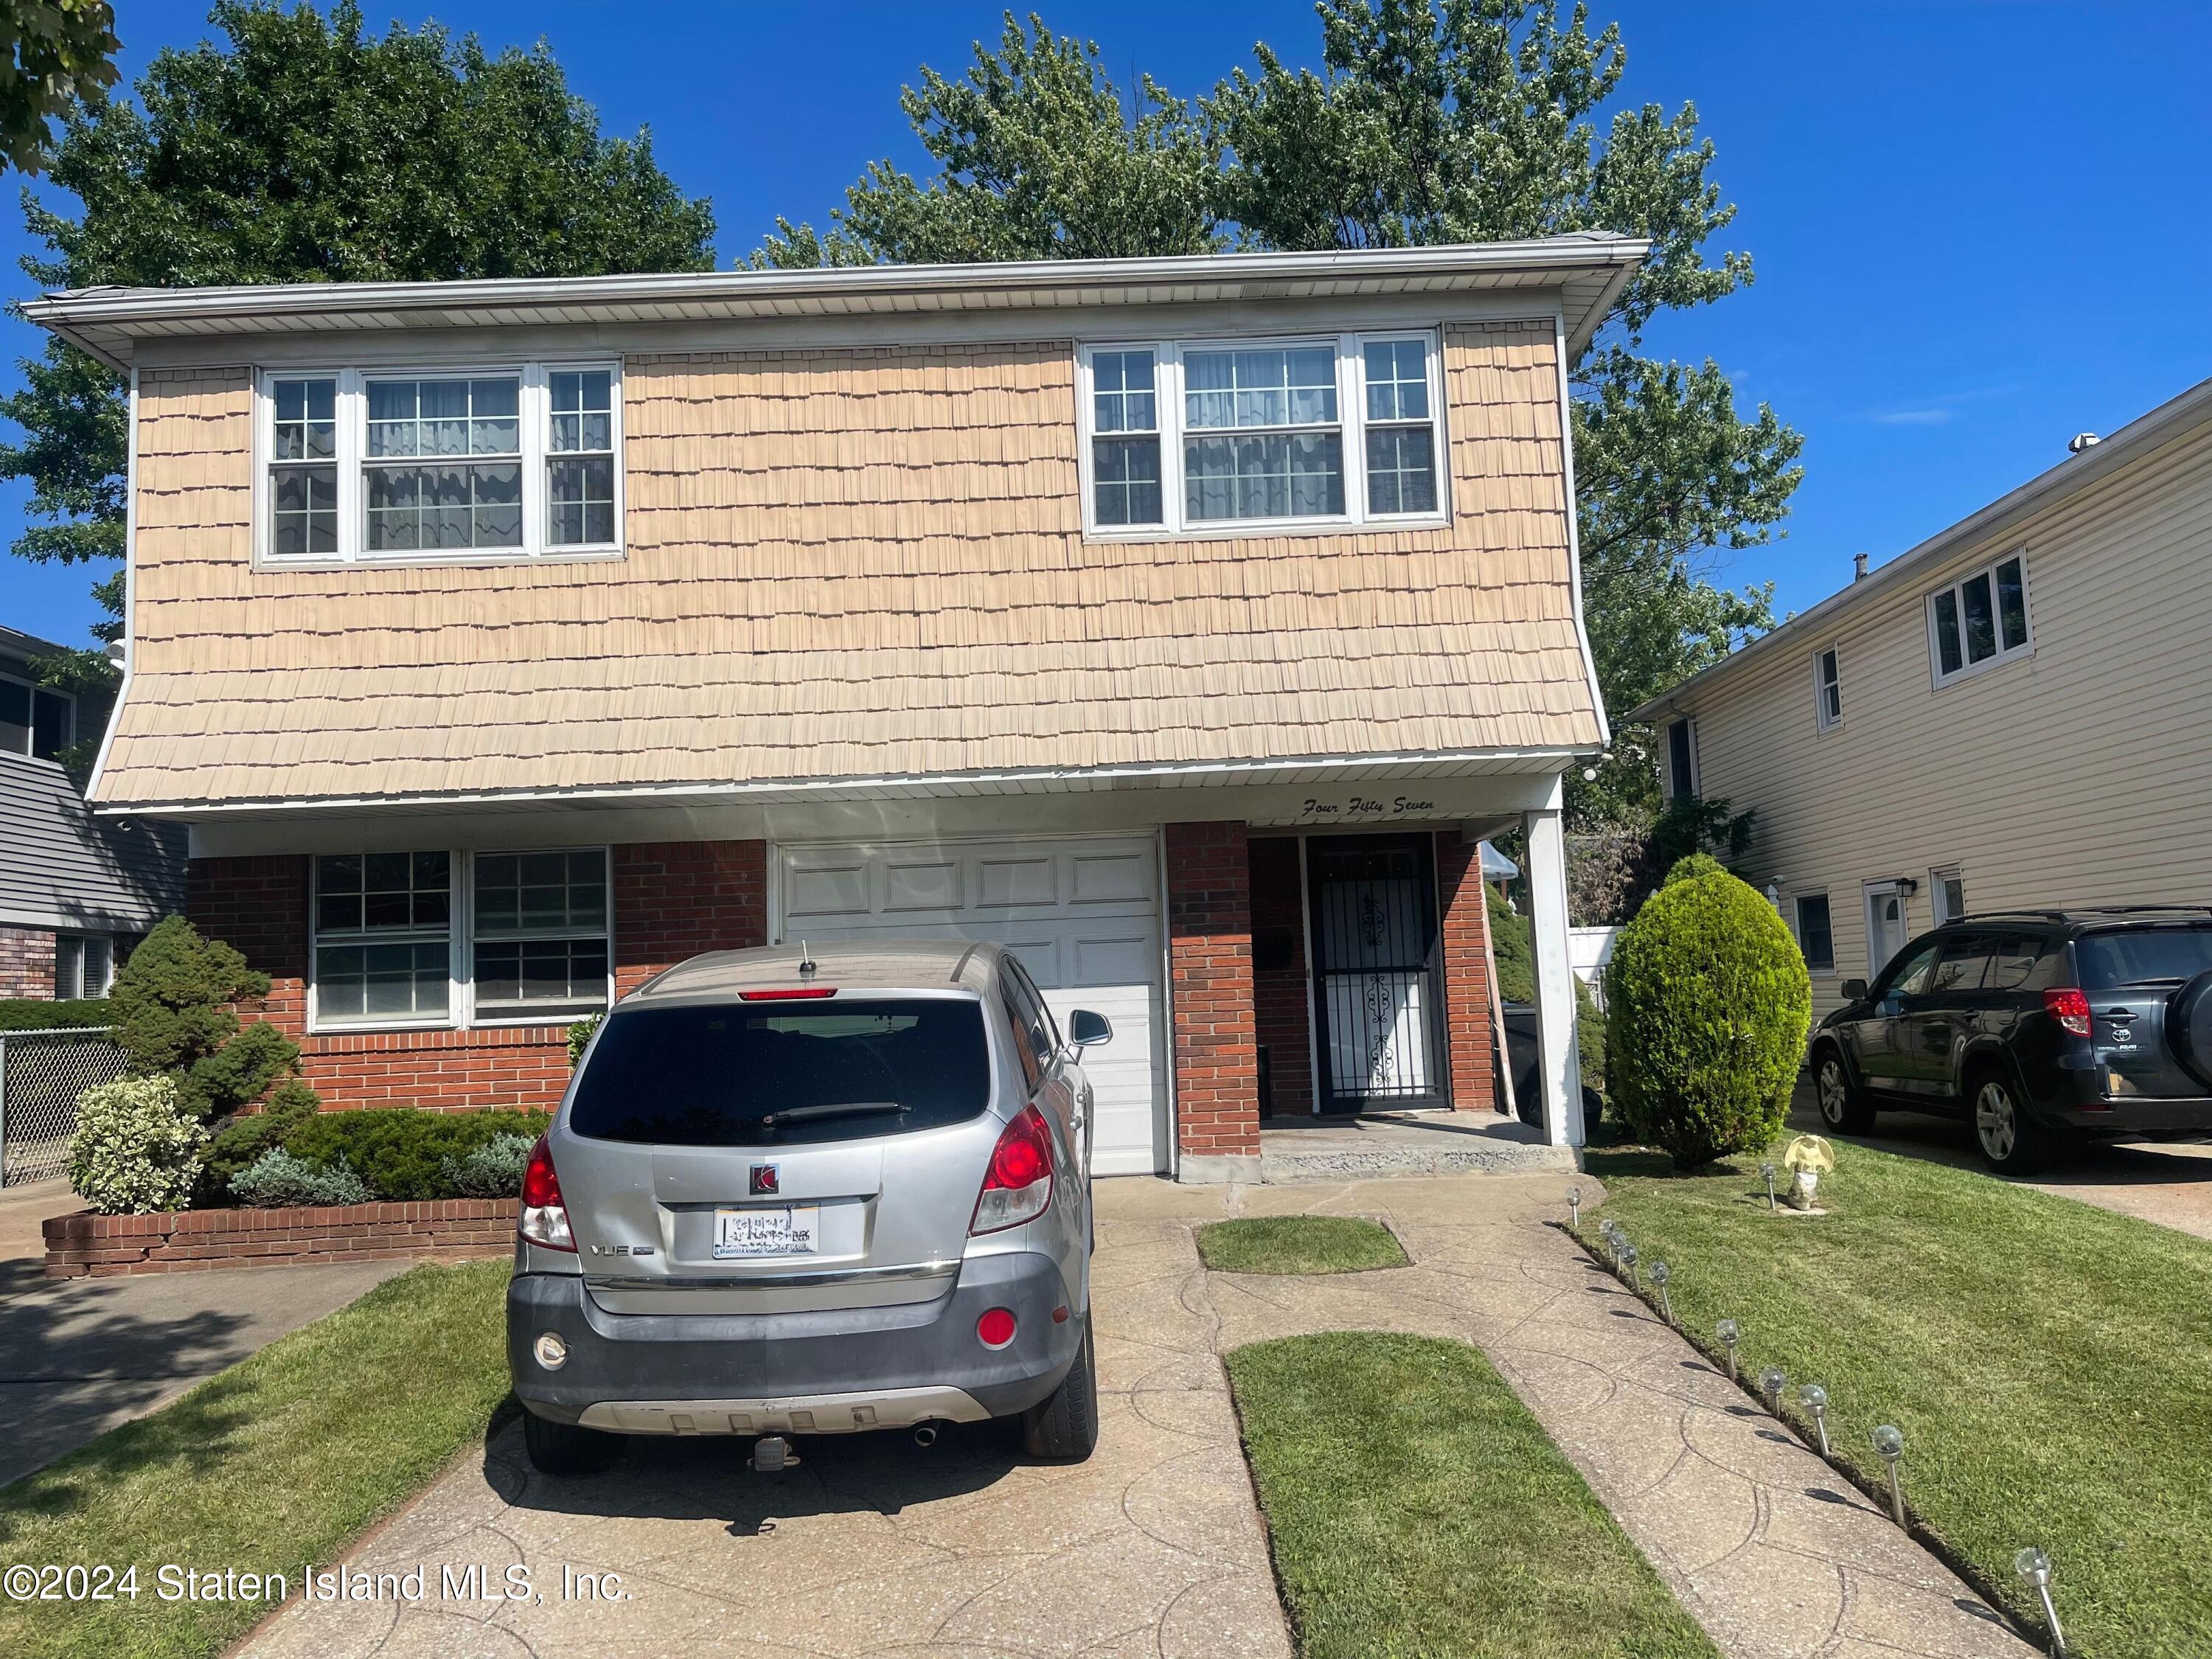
(787,1229)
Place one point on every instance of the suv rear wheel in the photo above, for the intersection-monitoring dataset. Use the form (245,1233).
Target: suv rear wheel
(1843,1106)
(1065,1423)
(565,1448)
(2013,1143)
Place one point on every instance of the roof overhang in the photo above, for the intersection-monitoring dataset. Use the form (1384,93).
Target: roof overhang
(1585,271)
(2170,420)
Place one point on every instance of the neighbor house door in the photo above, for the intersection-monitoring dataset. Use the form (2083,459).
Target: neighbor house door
(1378,1013)
(1886,926)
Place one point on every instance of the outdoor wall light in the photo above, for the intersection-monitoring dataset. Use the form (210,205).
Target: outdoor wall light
(1767,1174)
(1661,1273)
(1730,1333)
(1771,1382)
(1575,1208)
(1815,1399)
(1889,1446)
(2033,1567)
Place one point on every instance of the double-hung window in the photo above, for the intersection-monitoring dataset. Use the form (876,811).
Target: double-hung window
(34,720)
(1681,759)
(451,938)
(1980,621)
(1827,689)
(513,462)
(1185,436)
(1816,937)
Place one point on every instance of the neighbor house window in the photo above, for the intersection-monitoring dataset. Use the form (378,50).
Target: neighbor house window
(1681,760)
(1947,890)
(1827,689)
(1980,622)
(34,720)
(516,462)
(453,938)
(1814,936)
(84,965)
(1213,435)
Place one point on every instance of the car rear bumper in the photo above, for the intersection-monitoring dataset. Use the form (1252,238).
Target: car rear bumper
(2077,1105)
(828,1372)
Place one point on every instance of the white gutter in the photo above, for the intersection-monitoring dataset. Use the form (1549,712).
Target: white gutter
(2170,420)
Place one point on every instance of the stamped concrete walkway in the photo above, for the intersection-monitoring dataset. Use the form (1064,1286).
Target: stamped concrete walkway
(1154,1547)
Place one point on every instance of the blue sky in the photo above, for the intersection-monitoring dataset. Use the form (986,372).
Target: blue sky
(1978,229)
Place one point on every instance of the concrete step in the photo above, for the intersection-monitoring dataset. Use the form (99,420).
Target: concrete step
(1427,1143)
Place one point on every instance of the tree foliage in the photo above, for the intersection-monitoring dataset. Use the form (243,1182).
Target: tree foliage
(303,149)
(1429,121)
(1707,1006)
(52,53)
(175,1016)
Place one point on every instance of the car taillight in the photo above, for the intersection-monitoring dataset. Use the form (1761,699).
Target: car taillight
(2070,1009)
(544,1218)
(1018,1184)
(799,993)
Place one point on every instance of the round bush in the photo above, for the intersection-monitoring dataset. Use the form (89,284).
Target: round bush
(1708,1003)
(136,1147)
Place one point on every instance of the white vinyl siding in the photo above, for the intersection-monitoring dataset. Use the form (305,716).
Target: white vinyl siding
(2102,730)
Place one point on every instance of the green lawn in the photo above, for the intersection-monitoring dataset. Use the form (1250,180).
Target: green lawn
(1417,1509)
(279,1461)
(2050,1364)
(1298,1244)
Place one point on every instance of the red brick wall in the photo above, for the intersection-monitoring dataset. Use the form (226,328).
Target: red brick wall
(88,1246)
(1469,1035)
(672,900)
(26,963)
(1210,971)
(1281,999)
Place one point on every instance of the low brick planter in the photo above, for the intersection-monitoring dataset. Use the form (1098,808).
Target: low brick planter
(85,1245)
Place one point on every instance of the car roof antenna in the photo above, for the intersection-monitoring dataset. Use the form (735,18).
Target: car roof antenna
(805,961)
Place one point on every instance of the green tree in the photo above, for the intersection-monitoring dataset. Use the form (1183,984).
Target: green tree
(303,149)
(1429,121)
(51,52)
(175,1005)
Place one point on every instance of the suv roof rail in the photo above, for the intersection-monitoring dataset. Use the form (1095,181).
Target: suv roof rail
(2135,909)
(2008,915)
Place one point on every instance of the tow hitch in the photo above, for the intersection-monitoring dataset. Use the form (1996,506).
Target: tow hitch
(772,1455)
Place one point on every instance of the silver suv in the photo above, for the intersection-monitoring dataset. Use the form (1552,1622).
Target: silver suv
(794,1194)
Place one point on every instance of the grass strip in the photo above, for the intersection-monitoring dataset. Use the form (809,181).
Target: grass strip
(2051,1365)
(1298,1244)
(1417,1509)
(279,1461)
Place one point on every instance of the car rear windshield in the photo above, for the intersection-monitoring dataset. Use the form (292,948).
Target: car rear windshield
(2133,955)
(783,1074)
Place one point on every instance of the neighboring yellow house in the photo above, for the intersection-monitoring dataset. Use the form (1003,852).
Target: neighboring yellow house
(2014,715)
(1181,623)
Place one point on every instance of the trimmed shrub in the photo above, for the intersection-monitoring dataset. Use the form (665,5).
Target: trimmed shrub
(279,1181)
(173,1005)
(400,1152)
(494,1170)
(1708,1003)
(136,1147)
(30,1014)
(580,1038)
(239,1143)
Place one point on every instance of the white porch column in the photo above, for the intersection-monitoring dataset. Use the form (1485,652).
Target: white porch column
(1558,1070)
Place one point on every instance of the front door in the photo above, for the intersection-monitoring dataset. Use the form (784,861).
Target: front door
(1378,1013)
(1886,933)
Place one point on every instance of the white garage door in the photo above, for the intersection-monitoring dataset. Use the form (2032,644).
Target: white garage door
(1083,914)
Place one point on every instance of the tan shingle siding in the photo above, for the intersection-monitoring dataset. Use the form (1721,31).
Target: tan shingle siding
(847,562)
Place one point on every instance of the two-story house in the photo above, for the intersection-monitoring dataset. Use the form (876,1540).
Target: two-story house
(2011,714)
(75,891)
(1181,623)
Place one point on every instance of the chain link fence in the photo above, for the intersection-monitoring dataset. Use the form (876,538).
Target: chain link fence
(41,1075)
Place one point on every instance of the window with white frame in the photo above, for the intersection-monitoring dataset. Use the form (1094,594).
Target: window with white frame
(1203,435)
(1980,621)
(1947,891)
(368,465)
(84,965)
(1827,689)
(33,720)
(1816,935)
(450,939)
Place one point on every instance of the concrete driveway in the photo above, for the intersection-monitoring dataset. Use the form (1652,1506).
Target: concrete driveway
(80,1356)
(2171,1185)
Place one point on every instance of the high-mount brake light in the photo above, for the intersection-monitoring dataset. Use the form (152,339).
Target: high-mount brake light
(801,994)
(1018,1185)
(544,1218)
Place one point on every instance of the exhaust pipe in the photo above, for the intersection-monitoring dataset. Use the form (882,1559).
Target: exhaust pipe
(925,1436)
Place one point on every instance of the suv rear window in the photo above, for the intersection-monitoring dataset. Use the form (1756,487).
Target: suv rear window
(716,1075)
(2128,956)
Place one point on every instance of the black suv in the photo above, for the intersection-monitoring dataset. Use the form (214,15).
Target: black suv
(2039,1025)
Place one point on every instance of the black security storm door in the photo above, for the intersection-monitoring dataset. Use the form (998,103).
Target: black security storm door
(1378,1013)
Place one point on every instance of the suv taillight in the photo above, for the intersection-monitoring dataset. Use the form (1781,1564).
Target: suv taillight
(1018,1184)
(2070,1008)
(544,1216)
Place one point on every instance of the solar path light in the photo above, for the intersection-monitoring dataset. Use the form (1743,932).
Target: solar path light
(1628,1258)
(2033,1567)
(1889,1445)
(1767,1174)
(1730,1333)
(1575,1208)
(1661,1273)
(1771,1382)
(1815,1399)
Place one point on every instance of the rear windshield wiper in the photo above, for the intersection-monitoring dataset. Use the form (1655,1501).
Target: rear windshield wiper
(839,1109)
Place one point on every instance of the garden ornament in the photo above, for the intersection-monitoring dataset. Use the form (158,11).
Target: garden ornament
(1808,1159)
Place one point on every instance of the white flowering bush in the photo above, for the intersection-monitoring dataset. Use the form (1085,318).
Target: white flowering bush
(136,1147)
